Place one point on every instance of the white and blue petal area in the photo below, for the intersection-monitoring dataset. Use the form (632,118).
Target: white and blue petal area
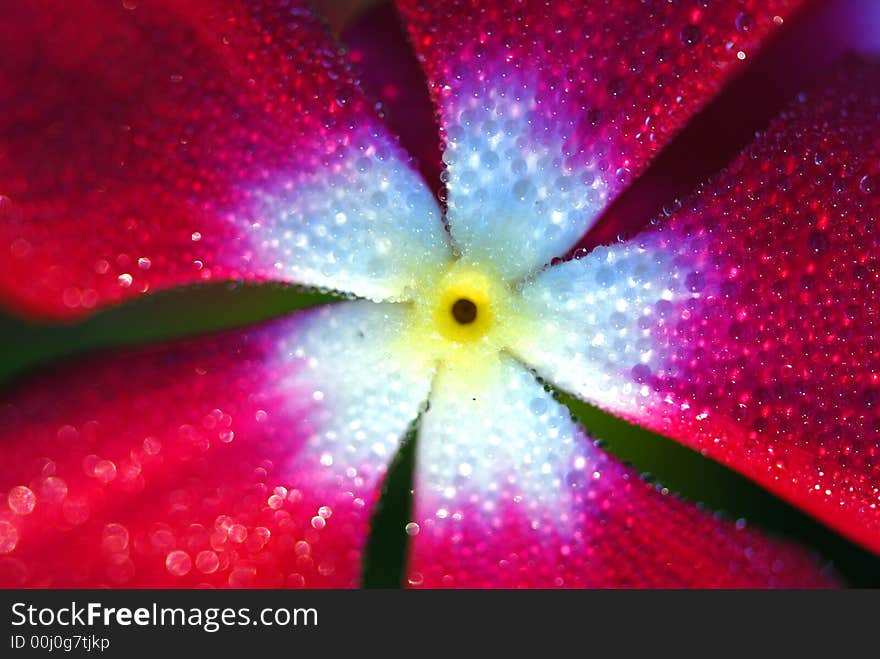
(354,396)
(601,325)
(515,200)
(493,445)
(359,220)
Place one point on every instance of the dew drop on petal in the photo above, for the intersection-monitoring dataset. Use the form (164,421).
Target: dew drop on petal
(152,446)
(242,577)
(8,537)
(178,563)
(691,35)
(207,561)
(53,489)
(114,538)
(21,500)
(105,471)
(237,533)
(745,22)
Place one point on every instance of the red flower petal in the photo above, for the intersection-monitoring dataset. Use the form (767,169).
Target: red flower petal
(510,493)
(550,109)
(748,326)
(148,145)
(249,459)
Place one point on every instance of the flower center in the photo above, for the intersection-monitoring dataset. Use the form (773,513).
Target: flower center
(462,317)
(465,304)
(464,311)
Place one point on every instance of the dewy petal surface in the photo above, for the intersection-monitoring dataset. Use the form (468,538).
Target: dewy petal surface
(748,325)
(550,108)
(246,459)
(510,493)
(148,145)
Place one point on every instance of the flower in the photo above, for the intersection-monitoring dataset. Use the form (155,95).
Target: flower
(147,147)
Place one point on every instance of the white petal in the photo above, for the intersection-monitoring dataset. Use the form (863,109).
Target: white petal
(602,323)
(495,442)
(512,199)
(356,393)
(360,221)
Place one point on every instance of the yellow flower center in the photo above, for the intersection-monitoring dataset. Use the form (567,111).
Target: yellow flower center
(463,317)
(464,304)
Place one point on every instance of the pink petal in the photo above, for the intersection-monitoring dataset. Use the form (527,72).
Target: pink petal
(247,459)
(747,326)
(550,109)
(149,145)
(510,493)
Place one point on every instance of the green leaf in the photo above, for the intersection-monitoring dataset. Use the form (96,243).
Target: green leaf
(386,551)
(162,316)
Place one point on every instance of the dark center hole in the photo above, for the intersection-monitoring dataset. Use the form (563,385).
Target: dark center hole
(464,311)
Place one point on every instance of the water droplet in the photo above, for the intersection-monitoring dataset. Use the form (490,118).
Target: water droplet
(53,489)
(296,580)
(744,22)
(691,35)
(242,577)
(21,500)
(641,373)
(818,242)
(207,561)
(538,406)
(152,446)
(105,471)
(8,537)
(178,563)
(161,537)
(114,538)
(344,97)
(238,533)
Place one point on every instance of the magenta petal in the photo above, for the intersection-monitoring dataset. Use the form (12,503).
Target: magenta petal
(627,534)
(510,493)
(153,144)
(748,325)
(247,459)
(550,108)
